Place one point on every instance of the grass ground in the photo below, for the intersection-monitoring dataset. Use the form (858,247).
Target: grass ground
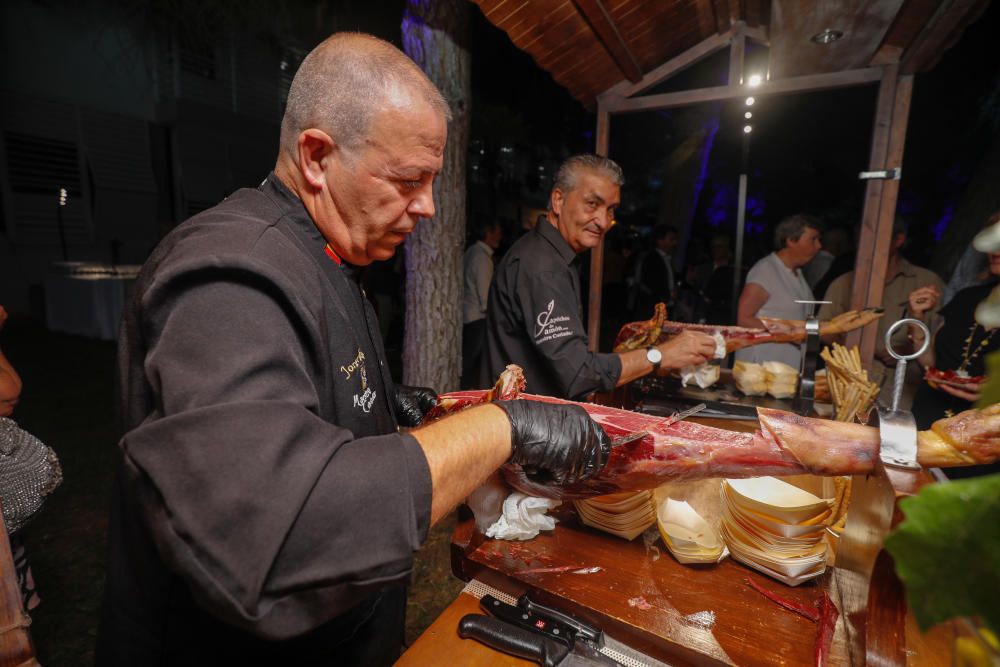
(68,403)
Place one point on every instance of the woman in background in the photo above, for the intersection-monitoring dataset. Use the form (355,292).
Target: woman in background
(961,345)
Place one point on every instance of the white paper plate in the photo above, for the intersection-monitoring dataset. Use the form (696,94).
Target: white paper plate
(776,498)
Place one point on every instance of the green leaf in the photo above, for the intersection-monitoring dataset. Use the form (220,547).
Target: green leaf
(991,388)
(947,551)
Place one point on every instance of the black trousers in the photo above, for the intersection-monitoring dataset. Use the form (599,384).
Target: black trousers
(370,635)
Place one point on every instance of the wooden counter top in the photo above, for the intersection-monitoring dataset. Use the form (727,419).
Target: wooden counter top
(703,615)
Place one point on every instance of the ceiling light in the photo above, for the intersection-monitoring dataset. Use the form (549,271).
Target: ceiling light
(827,36)
(748,115)
(754,80)
(747,129)
(750,101)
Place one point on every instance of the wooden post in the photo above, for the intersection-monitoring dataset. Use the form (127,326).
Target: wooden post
(888,139)
(597,254)
(737,51)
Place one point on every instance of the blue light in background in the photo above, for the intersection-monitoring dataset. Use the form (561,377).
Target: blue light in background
(711,129)
(941,226)
(722,205)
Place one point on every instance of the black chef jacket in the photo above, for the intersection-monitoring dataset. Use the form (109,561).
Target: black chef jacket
(534,319)
(266,509)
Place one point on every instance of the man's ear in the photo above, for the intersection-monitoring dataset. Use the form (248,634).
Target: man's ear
(556,201)
(315,151)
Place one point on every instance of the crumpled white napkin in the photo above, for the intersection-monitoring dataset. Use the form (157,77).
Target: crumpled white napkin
(523,517)
(705,375)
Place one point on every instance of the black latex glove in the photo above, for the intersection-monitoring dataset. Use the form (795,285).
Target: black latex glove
(412,403)
(554,442)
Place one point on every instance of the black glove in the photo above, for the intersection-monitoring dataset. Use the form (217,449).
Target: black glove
(412,403)
(555,442)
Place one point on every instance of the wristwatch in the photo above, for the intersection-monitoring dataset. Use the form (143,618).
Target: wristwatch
(654,356)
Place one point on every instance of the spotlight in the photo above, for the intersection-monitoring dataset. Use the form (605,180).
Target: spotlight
(747,129)
(750,101)
(827,36)
(62,196)
(748,115)
(754,80)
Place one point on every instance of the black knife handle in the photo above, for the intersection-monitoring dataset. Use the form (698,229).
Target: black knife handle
(523,618)
(512,640)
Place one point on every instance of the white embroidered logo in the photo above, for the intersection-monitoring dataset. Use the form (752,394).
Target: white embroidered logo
(548,326)
(543,318)
(365,400)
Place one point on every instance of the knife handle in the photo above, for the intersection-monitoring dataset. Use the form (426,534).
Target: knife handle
(512,640)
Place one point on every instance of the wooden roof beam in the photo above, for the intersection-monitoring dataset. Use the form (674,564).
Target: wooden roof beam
(720,9)
(597,16)
(682,61)
(933,39)
(796,84)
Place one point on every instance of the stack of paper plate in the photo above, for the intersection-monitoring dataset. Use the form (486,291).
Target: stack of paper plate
(687,535)
(622,514)
(775,527)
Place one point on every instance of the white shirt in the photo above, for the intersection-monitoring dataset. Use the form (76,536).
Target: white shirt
(784,286)
(477,266)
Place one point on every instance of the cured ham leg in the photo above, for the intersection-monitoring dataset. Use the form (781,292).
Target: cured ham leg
(786,444)
(636,335)
(969,438)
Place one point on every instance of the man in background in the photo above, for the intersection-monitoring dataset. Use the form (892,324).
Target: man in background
(534,317)
(656,274)
(477,267)
(901,278)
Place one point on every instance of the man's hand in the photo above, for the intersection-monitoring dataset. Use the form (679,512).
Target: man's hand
(412,403)
(3,316)
(688,348)
(560,442)
(923,299)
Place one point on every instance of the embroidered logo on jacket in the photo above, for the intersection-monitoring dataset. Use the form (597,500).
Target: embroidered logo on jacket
(548,327)
(365,400)
(357,365)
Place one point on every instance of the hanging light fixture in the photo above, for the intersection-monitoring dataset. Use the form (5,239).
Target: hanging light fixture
(827,36)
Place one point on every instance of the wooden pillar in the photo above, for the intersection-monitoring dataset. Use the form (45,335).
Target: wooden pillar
(597,254)
(888,138)
(737,53)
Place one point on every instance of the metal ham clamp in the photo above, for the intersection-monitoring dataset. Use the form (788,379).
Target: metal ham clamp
(807,367)
(869,517)
(897,428)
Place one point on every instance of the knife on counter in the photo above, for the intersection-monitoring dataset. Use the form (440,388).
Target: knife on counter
(517,641)
(535,632)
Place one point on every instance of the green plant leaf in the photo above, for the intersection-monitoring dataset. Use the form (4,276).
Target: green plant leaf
(947,551)
(991,388)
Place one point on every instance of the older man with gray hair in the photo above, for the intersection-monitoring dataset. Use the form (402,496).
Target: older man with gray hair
(534,317)
(267,505)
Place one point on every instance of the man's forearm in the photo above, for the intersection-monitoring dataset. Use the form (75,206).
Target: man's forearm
(462,450)
(634,366)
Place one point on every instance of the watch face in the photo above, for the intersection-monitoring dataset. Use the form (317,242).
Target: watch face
(654,356)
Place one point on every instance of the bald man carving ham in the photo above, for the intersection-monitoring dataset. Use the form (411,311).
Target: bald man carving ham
(272,489)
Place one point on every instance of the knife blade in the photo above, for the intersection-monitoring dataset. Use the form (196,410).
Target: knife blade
(513,640)
(663,423)
(678,416)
